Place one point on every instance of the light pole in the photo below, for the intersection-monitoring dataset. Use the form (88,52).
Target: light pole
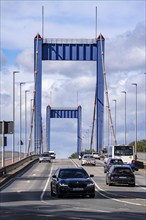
(145,106)
(13,138)
(135,84)
(31,122)
(20,141)
(125,141)
(115,115)
(26,91)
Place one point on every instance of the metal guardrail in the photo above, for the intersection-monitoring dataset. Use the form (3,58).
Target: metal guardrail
(9,168)
(68,41)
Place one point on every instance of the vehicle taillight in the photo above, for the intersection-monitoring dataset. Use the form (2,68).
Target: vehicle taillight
(133,161)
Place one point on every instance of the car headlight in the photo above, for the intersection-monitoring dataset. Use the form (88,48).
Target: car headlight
(63,184)
(90,184)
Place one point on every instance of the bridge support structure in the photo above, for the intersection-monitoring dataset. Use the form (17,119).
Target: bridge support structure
(71,50)
(64,113)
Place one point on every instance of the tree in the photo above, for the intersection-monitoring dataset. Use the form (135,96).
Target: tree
(141,145)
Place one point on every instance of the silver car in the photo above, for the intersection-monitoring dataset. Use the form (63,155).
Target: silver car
(88,159)
(45,157)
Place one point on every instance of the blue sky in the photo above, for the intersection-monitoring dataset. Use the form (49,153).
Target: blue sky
(122,23)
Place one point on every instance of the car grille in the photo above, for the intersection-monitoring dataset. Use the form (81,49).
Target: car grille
(77,185)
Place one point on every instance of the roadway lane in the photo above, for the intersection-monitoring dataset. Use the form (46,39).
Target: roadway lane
(29,196)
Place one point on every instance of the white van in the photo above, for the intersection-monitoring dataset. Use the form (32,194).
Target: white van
(52,154)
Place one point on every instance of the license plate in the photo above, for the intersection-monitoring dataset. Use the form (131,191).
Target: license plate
(78,189)
(122,177)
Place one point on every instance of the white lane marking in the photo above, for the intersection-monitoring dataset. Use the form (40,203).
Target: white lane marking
(117,200)
(43,192)
(91,209)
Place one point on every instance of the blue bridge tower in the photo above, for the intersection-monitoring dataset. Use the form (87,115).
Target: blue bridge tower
(62,50)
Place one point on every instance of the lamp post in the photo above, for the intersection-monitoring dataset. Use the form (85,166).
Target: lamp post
(125,141)
(31,123)
(20,141)
(135,84)
(26,91)
(145,106)
(13,138)
(115,115)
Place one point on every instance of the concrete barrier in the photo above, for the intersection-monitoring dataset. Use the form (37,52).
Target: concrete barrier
(7,172)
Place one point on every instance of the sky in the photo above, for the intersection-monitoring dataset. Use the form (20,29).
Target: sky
(68,83)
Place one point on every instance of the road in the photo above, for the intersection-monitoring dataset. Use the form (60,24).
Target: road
(28,196)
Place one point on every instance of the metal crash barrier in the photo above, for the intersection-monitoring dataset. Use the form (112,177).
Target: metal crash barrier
(10,170)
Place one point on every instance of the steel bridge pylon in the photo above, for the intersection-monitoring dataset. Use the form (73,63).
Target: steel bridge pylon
(64,113)
(71,50)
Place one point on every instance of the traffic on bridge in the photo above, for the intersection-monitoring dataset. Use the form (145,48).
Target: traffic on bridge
(73,110)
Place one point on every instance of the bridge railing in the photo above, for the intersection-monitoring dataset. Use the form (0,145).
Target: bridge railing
(12,167)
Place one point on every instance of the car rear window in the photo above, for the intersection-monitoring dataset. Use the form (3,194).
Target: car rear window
(122,170)
(88,156)
(116,161)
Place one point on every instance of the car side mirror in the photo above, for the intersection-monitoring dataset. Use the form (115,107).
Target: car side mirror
(54,176)
(91,175)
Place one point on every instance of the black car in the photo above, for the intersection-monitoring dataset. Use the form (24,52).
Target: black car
(120,174)
(112,161)
(72,182)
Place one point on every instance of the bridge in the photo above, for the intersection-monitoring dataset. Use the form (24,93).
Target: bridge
(69,50)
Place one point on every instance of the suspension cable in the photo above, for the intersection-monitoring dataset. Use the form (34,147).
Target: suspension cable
(107,101)
(34,96)
(106,92)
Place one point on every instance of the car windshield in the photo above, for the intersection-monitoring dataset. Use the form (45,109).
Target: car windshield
(64,174)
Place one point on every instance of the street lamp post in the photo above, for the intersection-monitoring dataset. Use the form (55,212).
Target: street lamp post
(115,115)
(13,138)
(145,106)
(20,141)
(135,84)
(125,140)
(26,91)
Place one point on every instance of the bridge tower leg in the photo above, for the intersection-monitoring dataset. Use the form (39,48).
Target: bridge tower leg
(38,93)
(48,116)
(79,133)
(99,95)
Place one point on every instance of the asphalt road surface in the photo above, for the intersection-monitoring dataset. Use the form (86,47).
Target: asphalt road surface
(28,196)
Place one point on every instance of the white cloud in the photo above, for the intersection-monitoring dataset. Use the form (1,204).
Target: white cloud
(71,83)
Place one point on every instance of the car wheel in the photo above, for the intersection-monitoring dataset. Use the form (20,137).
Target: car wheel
(106,182)
(133,185)
(110,184)
(39,161)
(52,193)
(58,194)
(92,195)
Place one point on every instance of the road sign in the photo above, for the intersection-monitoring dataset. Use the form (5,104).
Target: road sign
(8,127)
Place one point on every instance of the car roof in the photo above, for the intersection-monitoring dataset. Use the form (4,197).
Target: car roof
(87,155)
(71,168)
(121,166)
(115,158)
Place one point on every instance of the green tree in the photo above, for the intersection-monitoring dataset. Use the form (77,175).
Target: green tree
(141,145)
